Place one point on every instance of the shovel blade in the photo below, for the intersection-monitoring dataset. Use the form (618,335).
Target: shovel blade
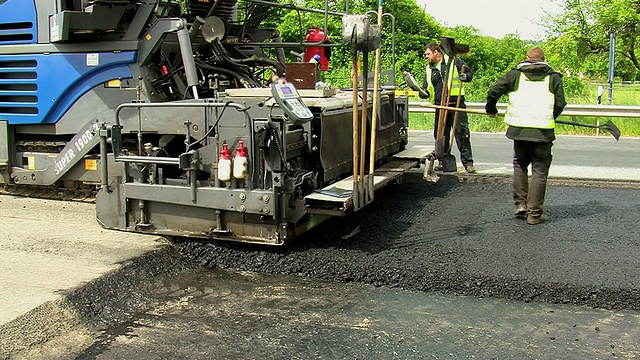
(449,163)
(452,49)
(448,46)
(429,174)
(613,130)
(462,49)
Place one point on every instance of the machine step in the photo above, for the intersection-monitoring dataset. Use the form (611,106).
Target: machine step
(336,199)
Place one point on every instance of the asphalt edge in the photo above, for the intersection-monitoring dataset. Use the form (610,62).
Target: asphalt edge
(551,180)
(109,299)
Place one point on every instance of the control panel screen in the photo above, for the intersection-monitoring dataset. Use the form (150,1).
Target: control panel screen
(286,96)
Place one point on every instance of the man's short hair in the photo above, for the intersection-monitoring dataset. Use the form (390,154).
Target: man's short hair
(535,53)
(433,46)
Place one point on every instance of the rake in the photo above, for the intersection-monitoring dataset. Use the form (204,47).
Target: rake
(609,127)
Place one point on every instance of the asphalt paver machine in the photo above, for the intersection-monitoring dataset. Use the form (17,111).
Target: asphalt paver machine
(167,115)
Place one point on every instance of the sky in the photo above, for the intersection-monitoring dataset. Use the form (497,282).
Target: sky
(493,17)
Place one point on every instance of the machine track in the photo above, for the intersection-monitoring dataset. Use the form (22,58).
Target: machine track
(67,190)
(85,194)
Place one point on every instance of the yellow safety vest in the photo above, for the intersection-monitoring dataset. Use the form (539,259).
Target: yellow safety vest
(453,74)
(531,106)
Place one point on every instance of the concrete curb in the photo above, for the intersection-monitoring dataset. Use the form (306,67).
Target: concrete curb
(104,301)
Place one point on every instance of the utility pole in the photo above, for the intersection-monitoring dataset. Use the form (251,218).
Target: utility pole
(599,102)
(612,64)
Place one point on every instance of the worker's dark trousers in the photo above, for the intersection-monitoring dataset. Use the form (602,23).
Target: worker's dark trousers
(463,139)
(525,194)
(462,135)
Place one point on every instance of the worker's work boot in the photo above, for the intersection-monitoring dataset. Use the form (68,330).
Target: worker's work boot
(534,220)
(470,169)
(521,212)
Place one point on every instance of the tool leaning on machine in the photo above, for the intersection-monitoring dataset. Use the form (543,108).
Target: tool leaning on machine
(442,114)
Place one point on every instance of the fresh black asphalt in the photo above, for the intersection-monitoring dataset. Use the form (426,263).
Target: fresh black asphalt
(462,238)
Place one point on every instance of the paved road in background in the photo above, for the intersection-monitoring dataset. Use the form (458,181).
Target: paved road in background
(588,157)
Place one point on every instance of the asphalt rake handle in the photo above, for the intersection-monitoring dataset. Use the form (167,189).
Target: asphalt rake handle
(610,127)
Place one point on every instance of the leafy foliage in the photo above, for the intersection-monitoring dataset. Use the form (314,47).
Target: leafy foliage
(489,58)
(577,46)
(582,33)
(577,43)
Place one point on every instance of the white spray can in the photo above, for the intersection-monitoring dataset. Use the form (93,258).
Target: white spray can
(224,164)
(240,162)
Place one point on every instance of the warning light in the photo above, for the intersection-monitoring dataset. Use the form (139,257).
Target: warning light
(91,164)
(115,83)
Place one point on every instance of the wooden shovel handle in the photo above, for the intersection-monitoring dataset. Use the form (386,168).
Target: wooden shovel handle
(449,108)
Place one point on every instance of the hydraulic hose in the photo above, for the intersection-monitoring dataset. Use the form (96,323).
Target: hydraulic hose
(244,81)
(274,63)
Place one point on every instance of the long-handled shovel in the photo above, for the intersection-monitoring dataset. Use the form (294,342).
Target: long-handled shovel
(449,159)
(449,48)
(610,127)
(452,50)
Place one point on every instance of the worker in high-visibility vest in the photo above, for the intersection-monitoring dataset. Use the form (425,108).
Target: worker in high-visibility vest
(536,99)
(434,81)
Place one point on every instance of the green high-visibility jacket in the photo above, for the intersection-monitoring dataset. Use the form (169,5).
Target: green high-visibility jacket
(452,74)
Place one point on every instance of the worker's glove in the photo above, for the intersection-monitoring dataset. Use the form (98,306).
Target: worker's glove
(409,80)
(463,77)
(491,109)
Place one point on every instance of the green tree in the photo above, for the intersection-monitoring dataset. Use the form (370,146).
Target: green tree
(563,54)
(489,58)
(584,28)
(413,29)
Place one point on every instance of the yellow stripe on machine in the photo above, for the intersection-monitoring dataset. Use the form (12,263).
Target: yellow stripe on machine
(410,93)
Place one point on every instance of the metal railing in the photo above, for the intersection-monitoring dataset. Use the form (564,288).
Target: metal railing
(569,110)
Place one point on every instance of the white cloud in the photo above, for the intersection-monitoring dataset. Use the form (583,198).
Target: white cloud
(493,17)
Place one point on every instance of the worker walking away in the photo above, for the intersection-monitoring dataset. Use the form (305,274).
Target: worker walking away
(536,99)
(434,83)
